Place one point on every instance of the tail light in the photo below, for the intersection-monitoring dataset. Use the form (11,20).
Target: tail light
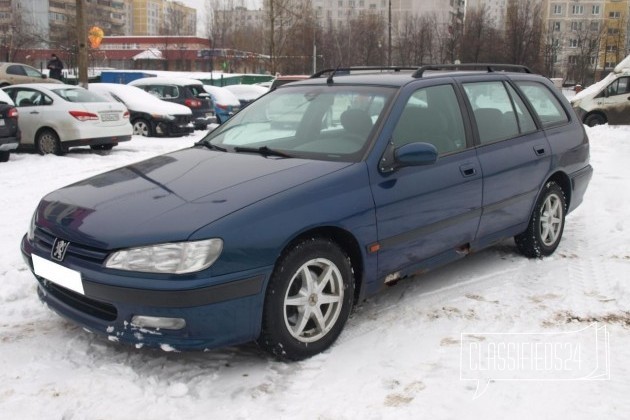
(12,113)
(193,103)
(84,116)
(223,107)
(126,115)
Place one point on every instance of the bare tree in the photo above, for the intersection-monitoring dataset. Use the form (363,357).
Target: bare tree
(480,35)
(523,33)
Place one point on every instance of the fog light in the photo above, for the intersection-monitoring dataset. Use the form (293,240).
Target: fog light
(156,322)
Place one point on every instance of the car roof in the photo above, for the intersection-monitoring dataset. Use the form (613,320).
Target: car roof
(50,86)
(179,81)
(399,76)
(136,99)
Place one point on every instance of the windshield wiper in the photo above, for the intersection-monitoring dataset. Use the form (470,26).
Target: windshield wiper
(210,146)
(264,150)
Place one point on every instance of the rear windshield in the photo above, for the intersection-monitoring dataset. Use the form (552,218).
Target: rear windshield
(78,95)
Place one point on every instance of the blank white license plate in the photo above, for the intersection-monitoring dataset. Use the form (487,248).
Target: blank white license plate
(1,122)
(58,274)
(109,117)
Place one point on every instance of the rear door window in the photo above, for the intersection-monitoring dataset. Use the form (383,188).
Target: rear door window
(495,111)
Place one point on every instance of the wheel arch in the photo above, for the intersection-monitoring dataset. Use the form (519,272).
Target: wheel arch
(346,241)
(563,181)
(48,128)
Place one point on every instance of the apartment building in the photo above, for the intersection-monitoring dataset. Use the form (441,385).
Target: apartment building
(162,17)
(586,38)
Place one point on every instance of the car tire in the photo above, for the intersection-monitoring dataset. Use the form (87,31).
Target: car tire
(4,156)
(109,146)
(308,299)
(546,224)
(47,142)
(594,119)
(142,128)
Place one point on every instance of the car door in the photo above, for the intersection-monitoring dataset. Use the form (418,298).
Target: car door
(32,105)
(514,154)
(426,214)
(616,102)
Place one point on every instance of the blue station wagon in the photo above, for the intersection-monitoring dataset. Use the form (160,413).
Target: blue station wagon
(310,199)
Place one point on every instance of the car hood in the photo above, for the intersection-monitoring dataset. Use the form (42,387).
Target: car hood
(167,198)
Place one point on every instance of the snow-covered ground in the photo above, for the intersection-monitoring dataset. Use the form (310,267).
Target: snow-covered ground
(399,357)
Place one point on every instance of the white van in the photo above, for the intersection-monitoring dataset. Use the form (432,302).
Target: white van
(607,101)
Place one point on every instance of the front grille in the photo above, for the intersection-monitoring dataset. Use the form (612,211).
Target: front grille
(95,308)
(183,119)
(44,241)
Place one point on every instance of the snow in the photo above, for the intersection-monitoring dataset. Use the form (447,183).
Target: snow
(136,99)
(398,357)
(222,96)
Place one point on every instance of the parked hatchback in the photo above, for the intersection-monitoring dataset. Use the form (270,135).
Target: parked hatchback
(183,91)
(311,198)
(9,129)
(17,73)
(150,116)
(55,117)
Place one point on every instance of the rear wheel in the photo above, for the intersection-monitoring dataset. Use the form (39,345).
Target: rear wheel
(4,156)
(308,300)
(48,142)
(142,128)
(546,224)
(109,146)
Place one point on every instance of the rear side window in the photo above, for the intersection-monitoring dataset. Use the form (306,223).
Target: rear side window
(17,70)
(545,104)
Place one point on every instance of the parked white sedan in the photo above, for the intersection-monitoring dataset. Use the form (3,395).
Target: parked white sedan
(55,117)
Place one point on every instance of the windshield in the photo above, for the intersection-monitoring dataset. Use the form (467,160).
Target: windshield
(314,122)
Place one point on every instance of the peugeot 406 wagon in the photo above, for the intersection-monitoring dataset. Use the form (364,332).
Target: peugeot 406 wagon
(313,197)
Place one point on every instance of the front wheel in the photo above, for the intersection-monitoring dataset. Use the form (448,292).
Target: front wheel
(308,300)
(594,119)
(546,224)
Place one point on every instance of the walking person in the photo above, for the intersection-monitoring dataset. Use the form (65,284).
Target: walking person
(55,65)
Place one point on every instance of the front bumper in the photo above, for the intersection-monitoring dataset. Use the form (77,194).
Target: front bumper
(202,121)
(224,311)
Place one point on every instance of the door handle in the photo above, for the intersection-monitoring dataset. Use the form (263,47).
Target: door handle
(34,112)
(540,150)
(468,170)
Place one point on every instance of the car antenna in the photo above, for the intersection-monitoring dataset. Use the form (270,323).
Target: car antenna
(330,81)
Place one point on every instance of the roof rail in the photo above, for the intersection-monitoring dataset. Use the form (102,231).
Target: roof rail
(471,66)
(347,70)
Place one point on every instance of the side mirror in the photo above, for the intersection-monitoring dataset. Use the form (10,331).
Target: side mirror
(415,154)
(44,76)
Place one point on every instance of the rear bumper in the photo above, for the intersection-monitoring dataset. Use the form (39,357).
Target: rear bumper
(579,181)
(9,143)
(95,141)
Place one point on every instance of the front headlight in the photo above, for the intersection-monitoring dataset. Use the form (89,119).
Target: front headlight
(30,235)
(166,117)
(172,258)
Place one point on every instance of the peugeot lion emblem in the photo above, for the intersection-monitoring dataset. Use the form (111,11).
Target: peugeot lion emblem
(59,249)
